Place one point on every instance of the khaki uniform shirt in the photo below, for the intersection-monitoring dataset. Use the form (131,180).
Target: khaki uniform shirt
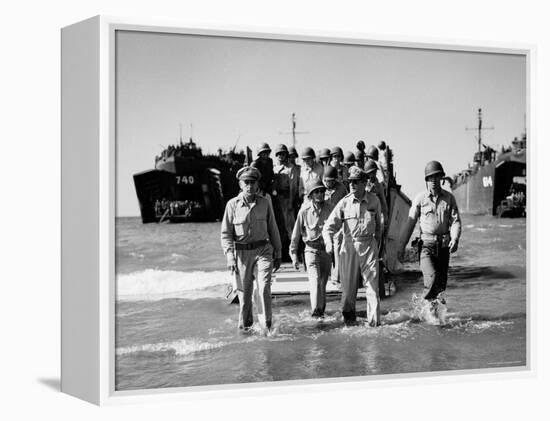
(309,225)
(437,215)
(360,218)
(245,222)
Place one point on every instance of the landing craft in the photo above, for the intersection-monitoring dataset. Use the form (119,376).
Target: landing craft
(187,186)
(495,183)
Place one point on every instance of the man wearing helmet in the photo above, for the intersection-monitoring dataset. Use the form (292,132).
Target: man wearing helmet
(282,201)
(309,225)
(310,171)
(265,165)
(359,215)
(294,179)
(336,158)
(440,229)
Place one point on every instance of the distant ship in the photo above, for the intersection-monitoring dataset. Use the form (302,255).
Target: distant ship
(496,182)
(187,186)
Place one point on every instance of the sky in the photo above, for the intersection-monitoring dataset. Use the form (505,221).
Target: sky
(238,90)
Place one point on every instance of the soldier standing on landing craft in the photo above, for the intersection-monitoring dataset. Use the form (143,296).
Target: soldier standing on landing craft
(294,179)
(282,199)
(250,240)
(440,229)
(359,214)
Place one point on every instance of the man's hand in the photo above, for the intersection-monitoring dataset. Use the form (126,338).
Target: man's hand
(328,248)
(276,264)
(232,264)
(295,261)
(453,245)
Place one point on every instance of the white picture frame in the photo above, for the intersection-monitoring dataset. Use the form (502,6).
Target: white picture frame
(88,207)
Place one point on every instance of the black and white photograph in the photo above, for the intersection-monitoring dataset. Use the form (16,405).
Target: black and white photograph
(316,210)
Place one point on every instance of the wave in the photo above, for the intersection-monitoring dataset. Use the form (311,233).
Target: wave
(153,284)
(179,348)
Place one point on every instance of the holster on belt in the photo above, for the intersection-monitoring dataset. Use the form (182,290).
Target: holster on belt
(440,241)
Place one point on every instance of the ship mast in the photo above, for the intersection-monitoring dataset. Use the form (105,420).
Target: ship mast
(479,128)
(294,132)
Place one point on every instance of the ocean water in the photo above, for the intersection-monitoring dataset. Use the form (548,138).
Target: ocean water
(174,327)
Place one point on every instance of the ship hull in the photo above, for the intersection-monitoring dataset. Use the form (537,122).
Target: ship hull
(483,191)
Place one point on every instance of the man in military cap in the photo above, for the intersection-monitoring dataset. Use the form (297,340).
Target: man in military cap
(309,225)
(324,156)
(250,240)
(440,229)
(359,214)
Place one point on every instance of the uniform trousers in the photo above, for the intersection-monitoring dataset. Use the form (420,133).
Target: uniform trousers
(359,259)
(318,264)
(260,259)
(434,264)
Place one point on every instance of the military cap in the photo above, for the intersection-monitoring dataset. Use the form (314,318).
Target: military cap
(264,147)
(248,173)
(356,173)
(331,173)
(292,151)
(370,167)
(313,185)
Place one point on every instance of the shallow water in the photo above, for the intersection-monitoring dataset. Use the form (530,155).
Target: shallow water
(174,327)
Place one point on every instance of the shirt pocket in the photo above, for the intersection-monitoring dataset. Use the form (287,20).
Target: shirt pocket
(259,227)
(240,224)
(427,213)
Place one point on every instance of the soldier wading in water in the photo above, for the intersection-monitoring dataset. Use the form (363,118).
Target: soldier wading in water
(250,239)
(440,229)
(359,214)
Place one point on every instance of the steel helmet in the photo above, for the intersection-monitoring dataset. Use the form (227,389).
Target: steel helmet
(382,145)
(360,145)
(292,151)
(432,168)
(372,152)
(371,167)
(349,158)
(337,150)
(324,153)
(331,173)
(313,185)
(264,147)
(308,153)
(281,148)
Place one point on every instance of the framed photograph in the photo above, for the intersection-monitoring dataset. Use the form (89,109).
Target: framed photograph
(206,246)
